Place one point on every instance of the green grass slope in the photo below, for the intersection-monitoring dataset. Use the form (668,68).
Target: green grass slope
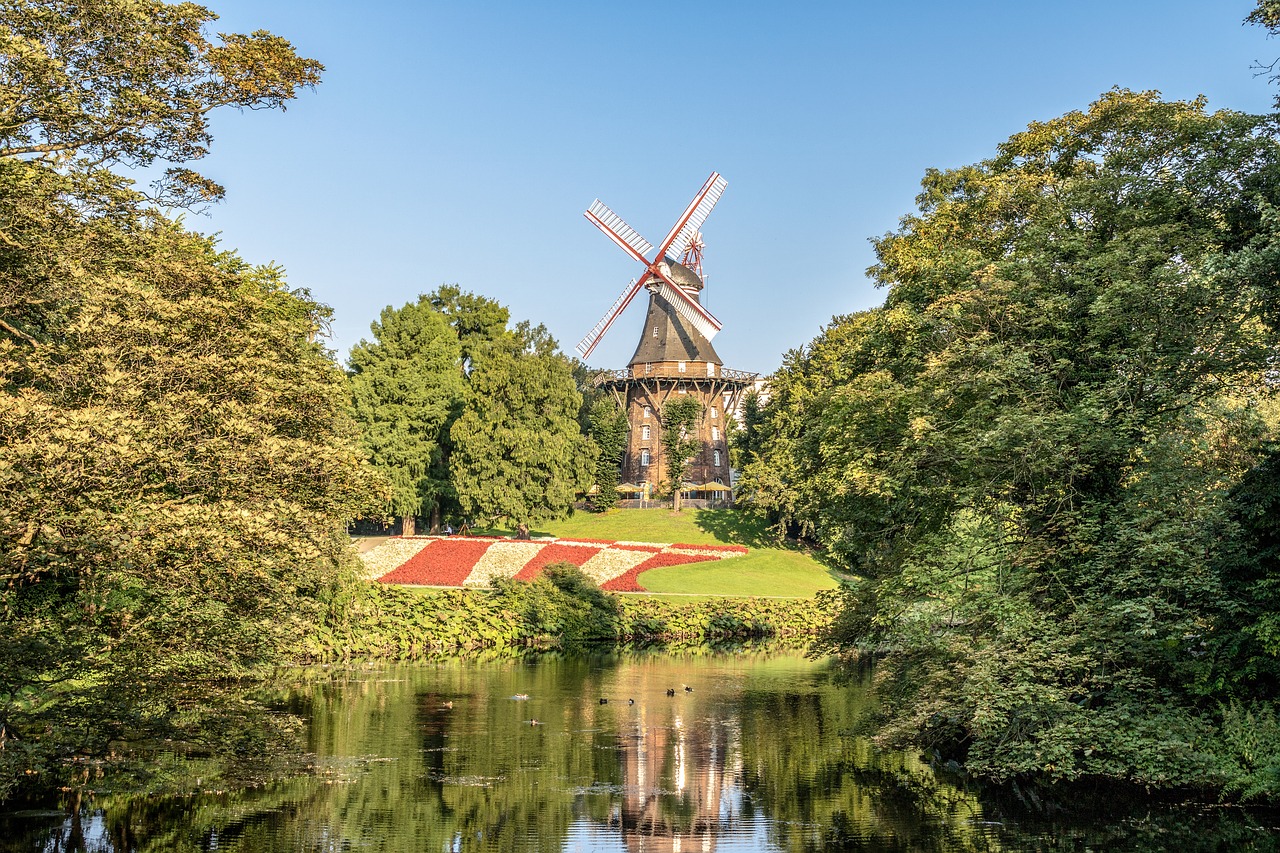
(770,567)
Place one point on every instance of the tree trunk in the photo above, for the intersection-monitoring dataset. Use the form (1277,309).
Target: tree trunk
(435,520)
(406,525)
(675,499)
(522,531)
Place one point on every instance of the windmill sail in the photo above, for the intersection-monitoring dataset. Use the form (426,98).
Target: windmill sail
(588,343)
(697,316)
(694,216)
(619,231)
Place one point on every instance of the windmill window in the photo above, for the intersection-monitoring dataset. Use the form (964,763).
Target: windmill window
(644,458)
(644,432)
(655,331)
(713,411)
(715,433)
(680,366)
(647,411)
(711,369)
(715,458)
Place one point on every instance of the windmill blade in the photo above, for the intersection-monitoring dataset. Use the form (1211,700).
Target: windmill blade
(619,231)
(588,343)
(697,316)
(682,233)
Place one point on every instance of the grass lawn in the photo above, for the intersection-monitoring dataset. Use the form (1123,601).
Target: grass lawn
(770,568)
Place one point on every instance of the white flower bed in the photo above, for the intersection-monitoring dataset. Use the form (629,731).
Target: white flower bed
(612,562)
(502,560)
(390,555)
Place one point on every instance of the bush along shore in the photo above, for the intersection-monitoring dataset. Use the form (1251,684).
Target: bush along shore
(561,607)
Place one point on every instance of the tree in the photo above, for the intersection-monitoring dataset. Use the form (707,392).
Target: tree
(680,442)
(608,430)
(1030,452)
(177,464)
(745,440)
(86,83)
(476,320)
(518,451)
(1267,15)
(407,387)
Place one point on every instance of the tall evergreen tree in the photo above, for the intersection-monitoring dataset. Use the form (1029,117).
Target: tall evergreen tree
(407,387)
(608,429)
(680,416)
(518,450)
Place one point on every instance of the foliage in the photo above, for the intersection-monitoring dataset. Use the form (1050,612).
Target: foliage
(407,387)
(745,440)
(476,320)
(608,429)
(680,416)
(1030,451)
(559,607)
(1267,15)
(95,82)
(518,450)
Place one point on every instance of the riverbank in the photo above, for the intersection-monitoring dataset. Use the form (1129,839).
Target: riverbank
(377,621)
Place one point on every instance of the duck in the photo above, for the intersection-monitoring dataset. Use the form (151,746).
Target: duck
(520,697)
(604,701)
(688,689)
(671,691)
(534,723)
(448,706)
(631,701)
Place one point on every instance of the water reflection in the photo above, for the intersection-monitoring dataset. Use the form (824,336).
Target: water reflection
(759,753)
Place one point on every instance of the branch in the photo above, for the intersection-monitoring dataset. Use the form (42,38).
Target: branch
(18,333)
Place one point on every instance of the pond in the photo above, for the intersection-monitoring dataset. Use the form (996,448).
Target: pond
(618,751)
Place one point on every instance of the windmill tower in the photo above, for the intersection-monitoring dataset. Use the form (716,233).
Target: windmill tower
(674,355)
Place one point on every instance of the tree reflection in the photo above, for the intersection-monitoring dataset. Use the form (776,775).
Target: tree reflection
(762,754)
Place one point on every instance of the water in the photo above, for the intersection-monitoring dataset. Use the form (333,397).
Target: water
(762,753)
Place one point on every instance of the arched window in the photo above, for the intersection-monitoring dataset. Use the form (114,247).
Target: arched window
(644,458)
(644,432)
(647,411)
(715,458)
(713,412)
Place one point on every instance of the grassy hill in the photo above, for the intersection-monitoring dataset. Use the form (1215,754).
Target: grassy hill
(771,567)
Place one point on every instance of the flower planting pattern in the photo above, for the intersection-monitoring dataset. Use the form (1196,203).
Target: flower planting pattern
(444,562)
(503,560)
(557,552)
(476,561)
(628,582)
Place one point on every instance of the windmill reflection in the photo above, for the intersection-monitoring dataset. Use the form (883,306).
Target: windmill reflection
(676,796)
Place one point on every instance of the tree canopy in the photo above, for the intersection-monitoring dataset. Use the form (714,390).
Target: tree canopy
(1032,452)
(680,416)
(407,387)
(519,452)
(86,83)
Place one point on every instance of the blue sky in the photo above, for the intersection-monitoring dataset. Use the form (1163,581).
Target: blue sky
(461,142)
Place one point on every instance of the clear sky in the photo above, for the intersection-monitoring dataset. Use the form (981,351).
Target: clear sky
(461,142)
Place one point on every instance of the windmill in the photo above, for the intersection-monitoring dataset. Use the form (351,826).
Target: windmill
(674,355)
(658,275)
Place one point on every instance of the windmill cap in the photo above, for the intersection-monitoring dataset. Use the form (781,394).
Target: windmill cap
(683,276)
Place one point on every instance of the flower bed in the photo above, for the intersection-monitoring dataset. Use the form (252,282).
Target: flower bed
(444,562)
(629,581)
(476,561)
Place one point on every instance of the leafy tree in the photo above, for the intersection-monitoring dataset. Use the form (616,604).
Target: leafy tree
(1267,15)
(407,387)
(518,451)
(177,465)
(608,429)
(745,440)
(1029,452)
(86,83)
(680,442)
(476,320)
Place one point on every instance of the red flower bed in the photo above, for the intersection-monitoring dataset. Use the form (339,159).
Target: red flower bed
(589,541)
(555,553)
(650,549)
(444,562)
(629,582)
(735,549)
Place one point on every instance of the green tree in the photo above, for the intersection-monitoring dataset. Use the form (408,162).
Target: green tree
(476,320)
(746,439)
(608,430)
(407,387)
(177,465)
(1029,452)
(518,451)
(86,83)
(680,416)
